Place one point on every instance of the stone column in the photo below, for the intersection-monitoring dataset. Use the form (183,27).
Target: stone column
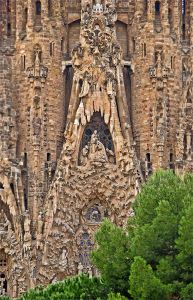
(31,14)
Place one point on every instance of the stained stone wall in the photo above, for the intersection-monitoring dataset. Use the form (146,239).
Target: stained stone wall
(95,95)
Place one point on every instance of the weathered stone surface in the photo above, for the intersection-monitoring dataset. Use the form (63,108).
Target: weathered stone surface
(94,96)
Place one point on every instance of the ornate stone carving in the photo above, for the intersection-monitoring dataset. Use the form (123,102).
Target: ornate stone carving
(38,71)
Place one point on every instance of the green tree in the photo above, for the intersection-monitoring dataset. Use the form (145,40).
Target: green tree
(187,292)
(111,256)
(184,245)
(74,288)
(144,285)
(160,233)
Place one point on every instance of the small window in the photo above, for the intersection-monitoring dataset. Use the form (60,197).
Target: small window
(48,156)
(133,44)
(25,17)
(62,45)
(23,62)
(25,200)
(183,7)
(25,160)
(145,6)
(12,188)
(149,163)
(171,161)
(8,29)
(157,8)
(184,31)
(52,48)
(172,62)
(144,50)
(38,8)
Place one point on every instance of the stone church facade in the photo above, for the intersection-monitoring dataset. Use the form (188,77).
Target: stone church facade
(95,95)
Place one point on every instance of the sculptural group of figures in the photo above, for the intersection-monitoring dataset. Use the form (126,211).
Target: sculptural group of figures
(95,152)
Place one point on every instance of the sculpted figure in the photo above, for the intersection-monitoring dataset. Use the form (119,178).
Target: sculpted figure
(63,259)
(111,156)
(27,234)
(4,222)
(36,125)
(84,155)
(85,87)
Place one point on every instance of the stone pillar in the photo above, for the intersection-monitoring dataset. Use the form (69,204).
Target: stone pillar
(31,14)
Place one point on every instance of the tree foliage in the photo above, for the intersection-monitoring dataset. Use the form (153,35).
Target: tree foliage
(111,256)
(157,258)
(79,287)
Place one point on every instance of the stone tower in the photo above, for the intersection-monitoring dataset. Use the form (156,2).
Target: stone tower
(95,96)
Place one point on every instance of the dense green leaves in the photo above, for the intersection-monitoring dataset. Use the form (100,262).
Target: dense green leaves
(79,287)
(159,243)
(144,284)
(111,256)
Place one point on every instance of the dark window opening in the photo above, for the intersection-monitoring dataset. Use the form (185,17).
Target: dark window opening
(38,8)
(25,18)
(157,8)
(144,49)
(8,29)
(48,156)
(148,164)
(12,188)
(52,48)
(62,45)
(25,200)
(1,186)
(133,45)
(171,161)
(25,160)
(184,31)
(183,7)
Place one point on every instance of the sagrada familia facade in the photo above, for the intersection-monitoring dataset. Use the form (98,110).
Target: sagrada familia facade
(95,95)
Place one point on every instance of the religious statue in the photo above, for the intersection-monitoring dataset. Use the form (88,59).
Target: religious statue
(84,155)
(4,222)
(36,125)
(85,87)
(97,149)
(63,262)
(27,234)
